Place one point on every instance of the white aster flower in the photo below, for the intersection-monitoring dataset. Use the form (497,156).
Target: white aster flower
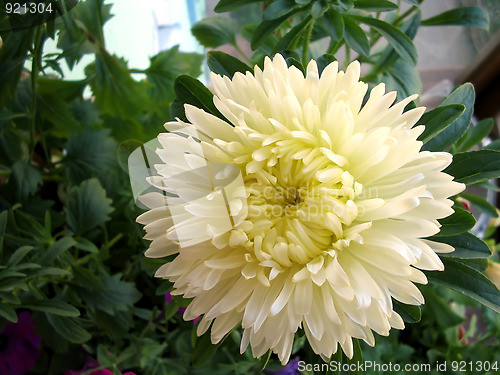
(310,210)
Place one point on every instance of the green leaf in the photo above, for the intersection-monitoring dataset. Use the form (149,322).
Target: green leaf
(439,309)
(356,359)
(459,222)
(265,28)
(115,295)
(375,5)
(204,349)
(27,178)
(463,16)
(403,45)
(477,134)
(461,95)
(495,145)
(115,91)
(3,225)
(438,119)
(467,246)
(227,5)
(18,255)
(165,67)
(10,298)
(86,245)
(323,61)
(89,154)
(481,203)
(224,64)
(290,61)
(87,206)
(52,306)
(355,37)
(319,8)
(409,313)
(414,2)
(406,77)
(8,313)
(56,249)
(466,280)
(68,328)
(292,36)
(278,9)
(334,24)
(191,91)
(475,166)
(215,31)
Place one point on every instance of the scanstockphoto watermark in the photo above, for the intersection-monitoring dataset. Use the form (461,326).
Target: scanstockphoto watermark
(374,366)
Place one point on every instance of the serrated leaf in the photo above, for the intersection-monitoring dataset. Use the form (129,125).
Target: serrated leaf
(462,16)
(403,45)
(52,306)
(224,64)
(215,31)
(115,295)
(459,222)
(468,281)
(355,37)
(227,5)
(438,119)
(68,328)
(115,91)
(165,67)
(87,206)
(334,24)
(89,154)
(467,246)
(375,5)
(462,95)
(475,166)
(27,178)
(409,313)
(475,135)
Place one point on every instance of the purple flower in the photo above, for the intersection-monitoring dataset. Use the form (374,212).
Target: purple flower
(91,364)
(292,368)
(19,346)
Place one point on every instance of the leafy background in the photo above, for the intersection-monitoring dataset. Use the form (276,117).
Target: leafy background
(70,250)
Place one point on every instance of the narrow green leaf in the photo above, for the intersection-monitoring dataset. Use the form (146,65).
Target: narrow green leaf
(356,359)
(467,280)
(56,249)
(68,328)
(477,134)
(86,245)
(438,119)
(413,2)
(396,38)
(265,28)
(290,37)
(18,255)
(52,306)
(8,313)
(10,298)
(215,31)
(204,349)
(475,166)
(3,225)
(224,64)
(87,206)
(463,16)
(334,24)
(191,91)
(52,272)
(467,246)
(227,5)
(481,203)
(278,9)
(356,38)
(459,222)
(409,313)
(461,95)
(375,5)
(319,8)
